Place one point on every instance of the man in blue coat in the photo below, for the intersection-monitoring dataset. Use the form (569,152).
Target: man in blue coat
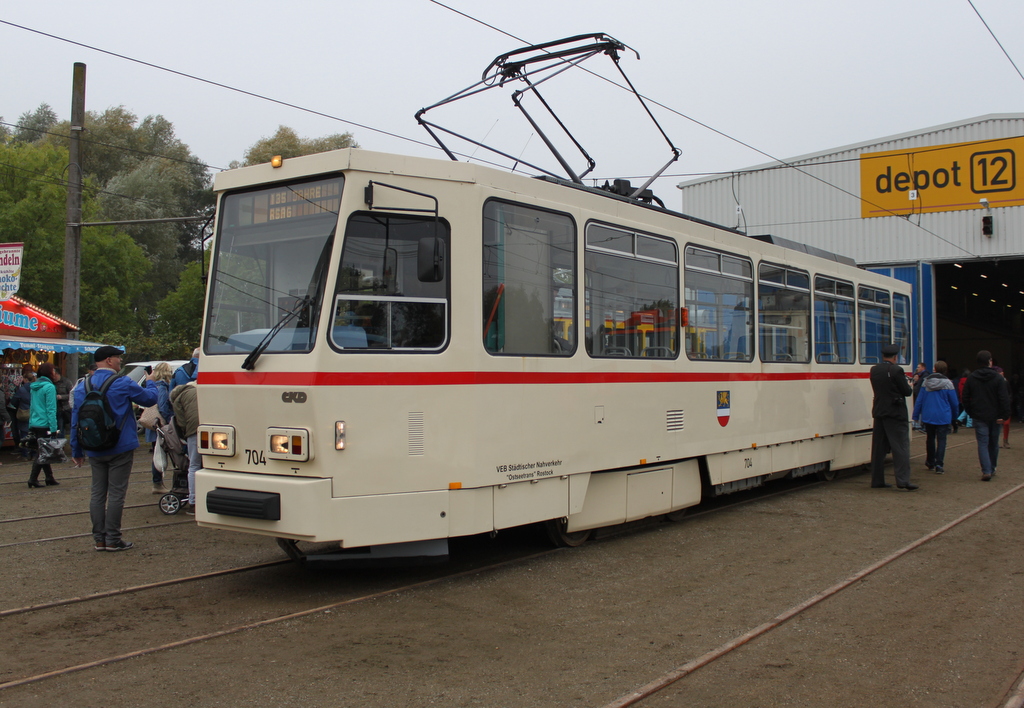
(112,466)
(937,407)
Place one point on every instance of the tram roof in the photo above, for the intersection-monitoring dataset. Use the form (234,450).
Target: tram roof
(449,170)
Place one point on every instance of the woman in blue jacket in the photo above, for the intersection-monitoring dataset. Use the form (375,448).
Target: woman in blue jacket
(937,406)
(43,418)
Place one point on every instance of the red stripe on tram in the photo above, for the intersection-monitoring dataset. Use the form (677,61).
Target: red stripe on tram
(491,378)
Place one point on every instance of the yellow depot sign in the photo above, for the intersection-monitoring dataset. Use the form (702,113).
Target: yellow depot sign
(942,178)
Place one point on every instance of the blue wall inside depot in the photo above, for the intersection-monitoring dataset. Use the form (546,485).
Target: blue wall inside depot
(920,276)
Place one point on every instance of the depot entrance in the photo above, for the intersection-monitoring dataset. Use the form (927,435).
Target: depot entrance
(980,305)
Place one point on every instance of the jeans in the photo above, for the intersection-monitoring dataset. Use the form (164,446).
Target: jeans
(935,445)
(195,461)
(109,485)
(987,434)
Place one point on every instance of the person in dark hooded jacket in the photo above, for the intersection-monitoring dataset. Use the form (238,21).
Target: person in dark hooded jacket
(986,399)
(936,407)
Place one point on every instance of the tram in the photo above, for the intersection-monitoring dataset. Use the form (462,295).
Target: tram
(402,349)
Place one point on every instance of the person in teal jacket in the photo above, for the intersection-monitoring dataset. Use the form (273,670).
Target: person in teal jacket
(43,419)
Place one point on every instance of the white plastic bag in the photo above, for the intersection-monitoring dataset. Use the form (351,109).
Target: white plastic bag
(159,458)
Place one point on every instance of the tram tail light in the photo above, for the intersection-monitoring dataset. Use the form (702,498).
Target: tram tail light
(216,440)
(339,435)
(288,444)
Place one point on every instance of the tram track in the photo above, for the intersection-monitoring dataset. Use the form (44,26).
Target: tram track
(671,677)
(725,503)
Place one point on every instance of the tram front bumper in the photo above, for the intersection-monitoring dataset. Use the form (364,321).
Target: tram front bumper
(303,508)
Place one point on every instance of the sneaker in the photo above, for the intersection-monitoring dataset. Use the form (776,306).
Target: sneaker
(100,545)
(190,509)
(940,470)
(159,488)
(119,545)
(986,477)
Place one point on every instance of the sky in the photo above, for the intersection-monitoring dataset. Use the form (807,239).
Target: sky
(744,81)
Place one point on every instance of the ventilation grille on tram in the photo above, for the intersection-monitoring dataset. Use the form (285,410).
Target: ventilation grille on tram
(673,421)
(416,437)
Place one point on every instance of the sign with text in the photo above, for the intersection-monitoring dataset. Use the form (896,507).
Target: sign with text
(10,269)
(942,178)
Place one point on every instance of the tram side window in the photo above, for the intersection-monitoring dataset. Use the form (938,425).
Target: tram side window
(901,326)
(834,307)
(529,291)
(719,296)
(783,313)
(874,320)
(632,294)
(380,301)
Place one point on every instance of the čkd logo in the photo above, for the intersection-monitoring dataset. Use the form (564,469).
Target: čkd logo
(293,397)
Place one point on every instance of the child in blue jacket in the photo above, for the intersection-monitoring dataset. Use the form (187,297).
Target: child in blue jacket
(937,406)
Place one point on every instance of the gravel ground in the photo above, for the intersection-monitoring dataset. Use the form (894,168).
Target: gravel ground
(940,626)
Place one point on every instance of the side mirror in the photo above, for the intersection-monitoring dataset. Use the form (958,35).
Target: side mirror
(430,260)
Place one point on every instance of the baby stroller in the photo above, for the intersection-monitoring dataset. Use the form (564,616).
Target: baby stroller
(175,460)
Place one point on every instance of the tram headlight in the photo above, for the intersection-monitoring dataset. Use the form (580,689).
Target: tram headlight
(288,444)
(216,440)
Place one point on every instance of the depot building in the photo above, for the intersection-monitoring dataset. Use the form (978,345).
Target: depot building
(940,208)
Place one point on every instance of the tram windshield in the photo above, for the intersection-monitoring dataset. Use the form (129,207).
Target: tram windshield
(273,248)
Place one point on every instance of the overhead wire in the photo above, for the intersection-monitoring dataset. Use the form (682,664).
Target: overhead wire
(218,84)
(124,148)
(726,135)
(1006,53)
(782,163)
(93,190)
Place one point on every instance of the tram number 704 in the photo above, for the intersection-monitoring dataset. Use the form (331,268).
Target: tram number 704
(255,457)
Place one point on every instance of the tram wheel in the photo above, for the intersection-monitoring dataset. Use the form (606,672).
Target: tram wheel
(291,548)
(169,504)
(555,529)
(828,474)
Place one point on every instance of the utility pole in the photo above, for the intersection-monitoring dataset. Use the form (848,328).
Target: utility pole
(73,230)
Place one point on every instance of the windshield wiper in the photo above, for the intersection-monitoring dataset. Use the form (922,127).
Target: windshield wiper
(311,300)
(250,361)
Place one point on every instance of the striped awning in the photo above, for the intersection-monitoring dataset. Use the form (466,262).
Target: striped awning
(65,346)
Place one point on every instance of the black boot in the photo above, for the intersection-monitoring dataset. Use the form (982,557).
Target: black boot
(33,477)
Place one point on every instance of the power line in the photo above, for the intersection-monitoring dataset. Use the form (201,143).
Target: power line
(217,84)
(94,190)
(721,133)
(1007,54)
(197,163)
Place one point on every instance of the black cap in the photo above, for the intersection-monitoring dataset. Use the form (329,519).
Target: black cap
(890,349)
(105,352)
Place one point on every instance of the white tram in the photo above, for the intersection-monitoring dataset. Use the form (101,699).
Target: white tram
(400,349)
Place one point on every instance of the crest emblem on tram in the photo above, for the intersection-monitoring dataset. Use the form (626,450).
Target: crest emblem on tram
(723,408)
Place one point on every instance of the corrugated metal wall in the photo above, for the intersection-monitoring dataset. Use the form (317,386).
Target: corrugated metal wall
(818,203)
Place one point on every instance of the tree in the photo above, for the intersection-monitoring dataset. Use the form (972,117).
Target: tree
(180,314)
(35,126)
(32,210)
(145,172)
(287,143)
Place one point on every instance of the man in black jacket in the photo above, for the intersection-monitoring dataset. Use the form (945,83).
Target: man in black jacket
(892,425)
(986,399)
